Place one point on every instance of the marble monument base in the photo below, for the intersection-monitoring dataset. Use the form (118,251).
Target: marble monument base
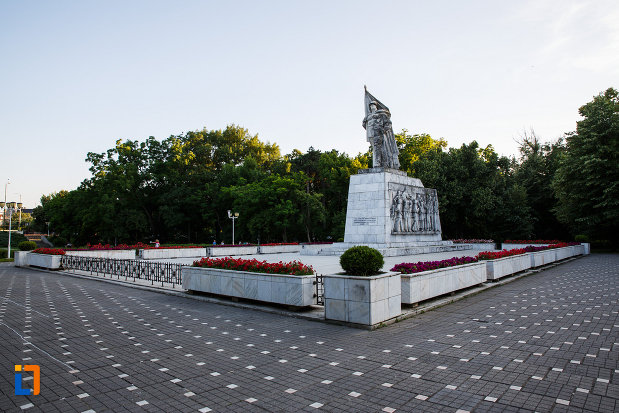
(393,213)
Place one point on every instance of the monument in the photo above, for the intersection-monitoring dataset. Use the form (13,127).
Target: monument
(387,209)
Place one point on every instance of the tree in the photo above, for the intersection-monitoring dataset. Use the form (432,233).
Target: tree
(535,172)
(587,180)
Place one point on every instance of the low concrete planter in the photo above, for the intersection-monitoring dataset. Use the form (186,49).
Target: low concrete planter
(51,262)
(542,258)
(20,258)
(586,248)
(296,290)
(578,249)
(362,300)
(428,284)
(232,251)
(161,253)
(117,254)
(503,267)
(563,253)
(278,249)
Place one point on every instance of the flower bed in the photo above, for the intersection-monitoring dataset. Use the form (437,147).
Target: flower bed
(253,265)
(49,251)
(286,283)
(494,255)
(411,268)
(108,247)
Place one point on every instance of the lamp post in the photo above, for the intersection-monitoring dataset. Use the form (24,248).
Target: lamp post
(8,181)
(47,222)
(233,217)
(10,208)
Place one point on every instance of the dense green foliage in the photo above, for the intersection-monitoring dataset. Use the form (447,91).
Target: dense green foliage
(361,260)
(16,238)
(27,245)
(587,180)
(179,190)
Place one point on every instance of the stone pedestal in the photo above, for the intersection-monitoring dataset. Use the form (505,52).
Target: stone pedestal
(386,207)
(362,300)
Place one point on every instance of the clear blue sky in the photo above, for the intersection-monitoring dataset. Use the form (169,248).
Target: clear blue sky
(75,76)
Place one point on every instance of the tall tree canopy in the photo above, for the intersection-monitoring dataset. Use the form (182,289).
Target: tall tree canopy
(587,181)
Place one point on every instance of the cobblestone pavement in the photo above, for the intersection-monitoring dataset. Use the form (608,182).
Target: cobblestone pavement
(547,342)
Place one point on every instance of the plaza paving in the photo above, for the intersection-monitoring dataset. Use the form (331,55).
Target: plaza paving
(546,342)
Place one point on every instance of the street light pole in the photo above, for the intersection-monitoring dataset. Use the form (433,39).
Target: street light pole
(11,207)
(233,217)
(4,206)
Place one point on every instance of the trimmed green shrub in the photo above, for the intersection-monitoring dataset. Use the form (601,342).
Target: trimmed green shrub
(3,253)
(58,241)
(27,245)
(581,238)
(362,260)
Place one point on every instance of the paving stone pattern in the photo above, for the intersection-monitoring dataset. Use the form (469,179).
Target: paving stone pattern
(547,342)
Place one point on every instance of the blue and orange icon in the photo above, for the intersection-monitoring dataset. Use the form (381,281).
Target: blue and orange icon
(36,385)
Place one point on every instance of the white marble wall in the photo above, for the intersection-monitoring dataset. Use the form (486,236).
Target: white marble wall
(362,300)
(231,251)
(502,267)
(51,262)
(542,258)
(162,253)
(428,284)
(278,249)
(274,288)
(563,253)
(116,254)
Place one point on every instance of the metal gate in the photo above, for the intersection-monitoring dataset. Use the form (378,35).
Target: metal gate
(319,293)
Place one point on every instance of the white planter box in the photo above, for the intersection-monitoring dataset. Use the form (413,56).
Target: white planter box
(563,253)
(502,267)
(542,257)
(162,253)
(363,300)
(297,290)
(578,249)
(277,249)
(428,284)
(51,262)
(117,254)
(21,258)
(232,251)
(586,248)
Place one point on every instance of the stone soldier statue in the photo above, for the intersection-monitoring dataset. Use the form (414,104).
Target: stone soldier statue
(408,213)
(415,213)
(377,123)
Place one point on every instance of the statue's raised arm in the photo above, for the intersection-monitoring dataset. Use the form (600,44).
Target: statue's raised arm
(377,123)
